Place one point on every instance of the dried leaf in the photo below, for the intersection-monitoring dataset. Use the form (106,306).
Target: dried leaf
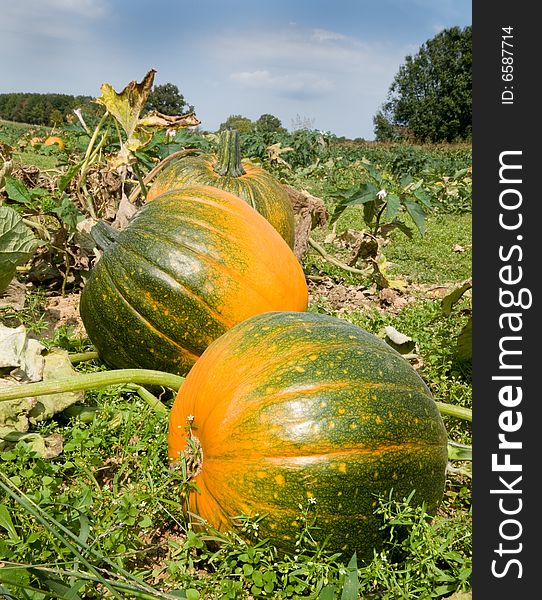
(399,341)
(57,366)
(274,152)
(157,119)
(21,354)
(127,105)
(125,212)
(14,296)
(82,236)
(14,413)
(47,447)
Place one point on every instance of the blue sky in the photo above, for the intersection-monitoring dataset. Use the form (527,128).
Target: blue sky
(328,62)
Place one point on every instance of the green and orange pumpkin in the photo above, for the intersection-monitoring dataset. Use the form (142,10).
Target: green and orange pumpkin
(189,266)
(229,172)
(287,407)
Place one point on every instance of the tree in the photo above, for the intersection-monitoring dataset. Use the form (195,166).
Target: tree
(242,124)
(430,99)
(167,100)
(268,123)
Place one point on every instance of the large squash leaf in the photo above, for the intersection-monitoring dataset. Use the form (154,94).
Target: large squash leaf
(17,244)
(127,105)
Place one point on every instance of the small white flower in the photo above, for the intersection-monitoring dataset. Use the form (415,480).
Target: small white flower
(190,418)
(312,500)
(255,526)
(382,194)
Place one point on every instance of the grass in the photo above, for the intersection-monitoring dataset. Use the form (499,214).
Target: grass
(427,259)
(431,258)
(44,162)
(11,131)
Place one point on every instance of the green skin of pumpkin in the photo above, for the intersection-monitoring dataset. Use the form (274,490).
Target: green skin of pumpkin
(227,171)
(189,266)
(331,413)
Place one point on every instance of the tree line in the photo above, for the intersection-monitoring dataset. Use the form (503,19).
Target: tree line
(57,109)
(43,109)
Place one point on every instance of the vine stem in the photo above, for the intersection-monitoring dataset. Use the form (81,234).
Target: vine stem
(151,174)
(78,357)
(92,380)
(454,411)
(335,261)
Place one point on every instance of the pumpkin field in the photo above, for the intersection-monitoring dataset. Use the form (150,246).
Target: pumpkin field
(232,365)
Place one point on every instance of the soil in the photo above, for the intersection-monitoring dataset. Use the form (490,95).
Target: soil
(63,310)
(335,296)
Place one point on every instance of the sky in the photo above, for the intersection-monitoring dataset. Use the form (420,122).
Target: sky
(325,63)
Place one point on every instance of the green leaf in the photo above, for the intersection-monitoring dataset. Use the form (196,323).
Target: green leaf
(145,522)
(17,576)
(464,342)
(404,228)
(69,214)
(360,196)
(417,215)
(17,244)
(84,529)
(17,190)
(393,207)
(351,582)
(459,451)
(374,174)
(65,179)
(327,593)
(6,522)
(406,180)
(423,197)
(453,297)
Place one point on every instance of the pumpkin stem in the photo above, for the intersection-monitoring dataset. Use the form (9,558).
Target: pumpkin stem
(229,154)
(104,235)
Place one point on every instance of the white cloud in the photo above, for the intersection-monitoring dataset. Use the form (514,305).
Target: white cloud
(322,35)
(294,85)
(292,47)
(61,20)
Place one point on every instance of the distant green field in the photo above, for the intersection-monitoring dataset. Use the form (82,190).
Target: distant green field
(10,131)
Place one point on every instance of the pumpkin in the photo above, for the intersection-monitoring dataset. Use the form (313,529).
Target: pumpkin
(53,139)
(289,409)
(240,177)
(189,266)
